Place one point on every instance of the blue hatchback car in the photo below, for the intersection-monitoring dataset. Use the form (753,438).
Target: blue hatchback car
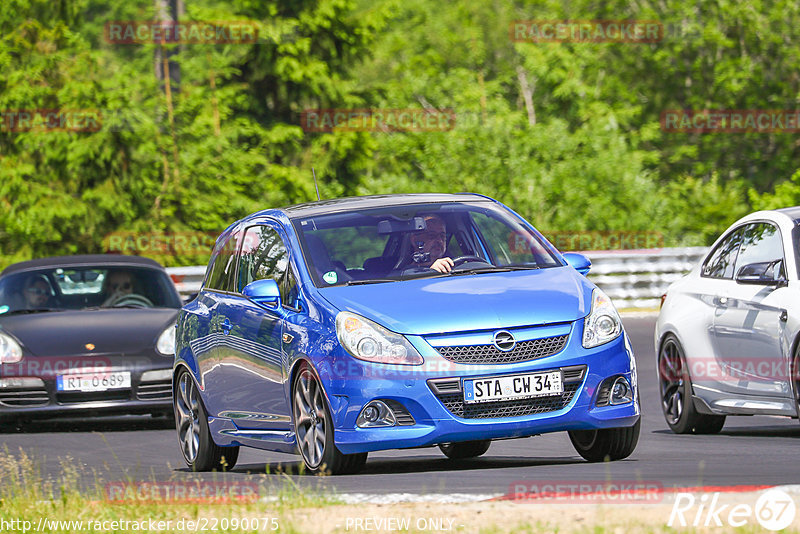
(340,327)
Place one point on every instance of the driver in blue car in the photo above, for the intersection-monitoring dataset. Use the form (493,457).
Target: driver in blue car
(428,246)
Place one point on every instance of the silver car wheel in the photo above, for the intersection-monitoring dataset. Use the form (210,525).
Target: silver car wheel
(310,419)
(670,370)
(187,408)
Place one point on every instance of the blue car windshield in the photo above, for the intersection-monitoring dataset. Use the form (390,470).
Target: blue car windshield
(401,242)
(86,287)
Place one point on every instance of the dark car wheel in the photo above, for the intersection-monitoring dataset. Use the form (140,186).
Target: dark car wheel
(314,429)
(465,449)
(199,450)
(606,444)
(675,387)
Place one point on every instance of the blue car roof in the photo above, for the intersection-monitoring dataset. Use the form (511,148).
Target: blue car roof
(310,209)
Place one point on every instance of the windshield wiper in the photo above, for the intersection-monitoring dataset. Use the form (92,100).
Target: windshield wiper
(495,269)
(369,281)
(32,310)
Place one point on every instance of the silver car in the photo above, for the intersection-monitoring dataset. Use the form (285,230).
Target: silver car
(727,333)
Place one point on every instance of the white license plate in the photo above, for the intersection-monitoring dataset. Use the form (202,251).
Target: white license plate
(502,388)
(94,382)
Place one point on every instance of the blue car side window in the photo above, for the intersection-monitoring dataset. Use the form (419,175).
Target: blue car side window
(263,256)
(223,267)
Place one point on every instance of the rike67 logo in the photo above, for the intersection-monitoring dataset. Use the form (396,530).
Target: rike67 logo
(774,510)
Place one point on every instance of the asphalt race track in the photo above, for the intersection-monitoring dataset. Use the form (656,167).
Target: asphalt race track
(749,451)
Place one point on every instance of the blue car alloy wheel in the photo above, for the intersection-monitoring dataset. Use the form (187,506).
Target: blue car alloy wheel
(314,428)
(333,329)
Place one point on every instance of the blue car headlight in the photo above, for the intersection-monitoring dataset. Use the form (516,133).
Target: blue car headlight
(369,341)
(603,323)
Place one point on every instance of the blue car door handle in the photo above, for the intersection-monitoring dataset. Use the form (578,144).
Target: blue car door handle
(226,327)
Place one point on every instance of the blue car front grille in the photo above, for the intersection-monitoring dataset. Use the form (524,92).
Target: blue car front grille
(514,408)
(450,394)
(489,354)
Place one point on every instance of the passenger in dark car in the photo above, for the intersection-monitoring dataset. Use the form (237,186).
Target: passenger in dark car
(37,292)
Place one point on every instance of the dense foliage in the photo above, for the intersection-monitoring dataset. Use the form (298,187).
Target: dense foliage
(566,133)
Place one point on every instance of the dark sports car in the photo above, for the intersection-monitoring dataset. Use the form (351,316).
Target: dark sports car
(86,335)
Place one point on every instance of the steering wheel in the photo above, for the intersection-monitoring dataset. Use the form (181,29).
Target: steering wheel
(464,259)
(131,300)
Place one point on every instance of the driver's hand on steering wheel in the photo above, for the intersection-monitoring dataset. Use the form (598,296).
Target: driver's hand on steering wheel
(443,265)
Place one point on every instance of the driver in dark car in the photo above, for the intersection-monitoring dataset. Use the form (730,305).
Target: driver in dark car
(428,246)
(117,285)
(120,289)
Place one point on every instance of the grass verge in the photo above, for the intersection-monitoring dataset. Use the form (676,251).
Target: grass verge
(33,502)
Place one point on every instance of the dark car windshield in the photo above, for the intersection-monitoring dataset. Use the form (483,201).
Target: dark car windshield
(84,287)
(400,242)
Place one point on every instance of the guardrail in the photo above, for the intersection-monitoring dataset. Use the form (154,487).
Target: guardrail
(187,279)
(638,278)
(632,278)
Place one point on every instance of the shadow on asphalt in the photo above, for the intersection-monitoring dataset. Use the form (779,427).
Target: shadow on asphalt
(764,431)
(133,423)
(394,466)
(747,432)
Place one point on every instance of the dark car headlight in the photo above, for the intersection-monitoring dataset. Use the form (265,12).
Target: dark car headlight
(10,351)
(166,342)
(369,341)
(603,323)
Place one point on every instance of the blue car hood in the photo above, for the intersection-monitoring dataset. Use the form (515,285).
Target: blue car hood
(469,302)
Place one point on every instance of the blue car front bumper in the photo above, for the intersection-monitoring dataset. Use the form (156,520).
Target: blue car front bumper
(444,418)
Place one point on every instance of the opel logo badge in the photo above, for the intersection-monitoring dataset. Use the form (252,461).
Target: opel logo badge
(504,341)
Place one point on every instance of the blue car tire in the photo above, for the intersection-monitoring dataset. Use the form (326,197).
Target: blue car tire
(465,449)
(607,444)
(191,419)
(314,428)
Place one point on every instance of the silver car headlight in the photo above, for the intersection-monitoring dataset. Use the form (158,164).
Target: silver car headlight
(166,342)
(10,351)
(369,341)
(603,323)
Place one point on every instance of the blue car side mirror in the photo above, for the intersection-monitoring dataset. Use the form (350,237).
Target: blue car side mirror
(263,292)
(579,262)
